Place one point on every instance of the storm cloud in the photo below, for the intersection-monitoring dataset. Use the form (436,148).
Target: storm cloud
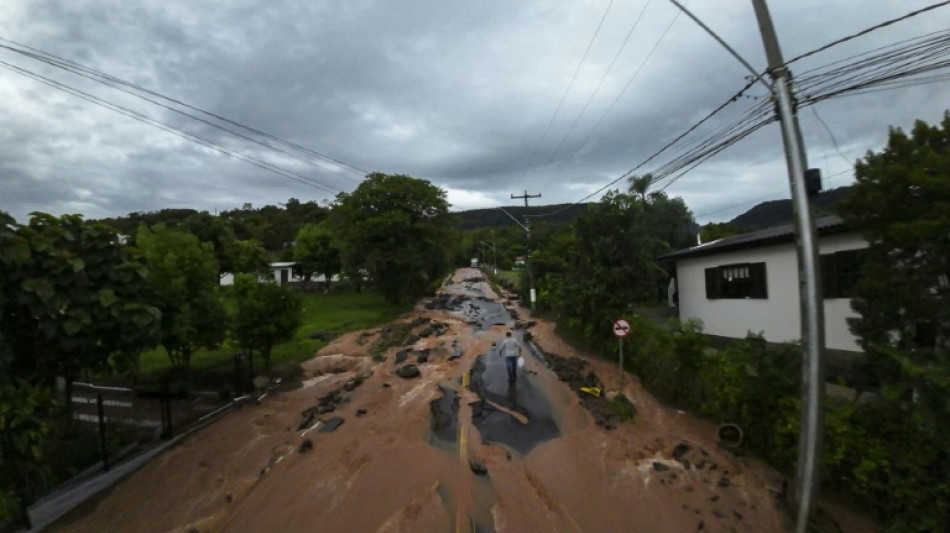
(459,93)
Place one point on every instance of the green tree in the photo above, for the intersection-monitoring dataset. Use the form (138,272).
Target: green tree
(603,264)
(184,274)
(398,230)
(639,185)
(316,251)
(72,298)
(901,201)
(267,314)
(718,230)
(249,257)
(215,230)
(26,414)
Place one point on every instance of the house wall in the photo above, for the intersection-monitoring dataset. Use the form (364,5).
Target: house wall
(778,316)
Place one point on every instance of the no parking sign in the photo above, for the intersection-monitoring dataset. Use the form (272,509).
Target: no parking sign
(621,327)
(621,330)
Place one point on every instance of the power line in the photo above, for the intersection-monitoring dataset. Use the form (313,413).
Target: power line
(621,93)
(834,140)
(568,89)
(169,128)
(894,65)
(599,85)
(656,154)
(118,83)
(867,30)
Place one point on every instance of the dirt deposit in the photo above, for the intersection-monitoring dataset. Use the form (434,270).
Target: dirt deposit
(356,447)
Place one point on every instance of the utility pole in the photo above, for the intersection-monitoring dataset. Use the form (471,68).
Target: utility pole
(527,227)
(811,303)
(494,253)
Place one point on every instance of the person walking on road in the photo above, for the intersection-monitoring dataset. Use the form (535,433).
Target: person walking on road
(511,350)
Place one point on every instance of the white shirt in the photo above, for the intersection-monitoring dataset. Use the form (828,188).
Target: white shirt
(509,347)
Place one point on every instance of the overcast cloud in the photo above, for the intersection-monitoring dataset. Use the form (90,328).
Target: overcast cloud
(456,92)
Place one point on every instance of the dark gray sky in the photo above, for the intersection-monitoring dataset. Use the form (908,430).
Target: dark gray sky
(456,92)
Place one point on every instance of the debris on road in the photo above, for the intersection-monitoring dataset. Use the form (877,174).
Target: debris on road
(330,425)
(408,372)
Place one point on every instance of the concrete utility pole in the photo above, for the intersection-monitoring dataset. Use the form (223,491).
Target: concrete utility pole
(812,305)
(527,227)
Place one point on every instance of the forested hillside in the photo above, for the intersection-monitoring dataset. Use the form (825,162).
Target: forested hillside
(777,212)
(496,218)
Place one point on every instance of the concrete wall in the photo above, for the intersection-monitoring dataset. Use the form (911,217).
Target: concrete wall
(778,316)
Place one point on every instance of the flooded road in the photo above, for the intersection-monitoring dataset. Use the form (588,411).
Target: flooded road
(428,435)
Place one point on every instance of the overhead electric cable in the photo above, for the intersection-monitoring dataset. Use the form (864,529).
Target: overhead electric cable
(178,111)
(656,154)
(834,140)
(99,76)
(621,93)
(868,30)
(893,65)
(168,128)
(577,70)
(599,85)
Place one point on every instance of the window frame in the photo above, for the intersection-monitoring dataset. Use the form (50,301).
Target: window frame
(737,281)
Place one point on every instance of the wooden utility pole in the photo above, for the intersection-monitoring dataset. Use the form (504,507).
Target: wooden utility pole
(527,227)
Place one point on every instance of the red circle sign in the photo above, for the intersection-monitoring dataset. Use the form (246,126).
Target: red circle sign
(621,328)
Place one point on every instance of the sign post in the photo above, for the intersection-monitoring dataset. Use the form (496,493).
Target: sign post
(621,329)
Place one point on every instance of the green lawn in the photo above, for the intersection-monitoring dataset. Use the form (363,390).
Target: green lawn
(336,312)
(511,276)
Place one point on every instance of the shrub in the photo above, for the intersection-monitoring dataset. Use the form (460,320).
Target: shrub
(890,456)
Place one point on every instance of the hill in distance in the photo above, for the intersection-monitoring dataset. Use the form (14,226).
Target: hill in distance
(778,212)
(496,218)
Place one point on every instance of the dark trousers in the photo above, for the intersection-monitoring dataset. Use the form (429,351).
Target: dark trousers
(512,364)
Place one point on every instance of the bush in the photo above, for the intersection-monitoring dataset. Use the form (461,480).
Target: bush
(889,456)
(672,361)
(623,408)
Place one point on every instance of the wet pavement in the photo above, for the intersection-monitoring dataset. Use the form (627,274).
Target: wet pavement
(517,416)
(496,415)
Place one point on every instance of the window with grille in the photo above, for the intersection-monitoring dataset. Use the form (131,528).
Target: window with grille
(738,281)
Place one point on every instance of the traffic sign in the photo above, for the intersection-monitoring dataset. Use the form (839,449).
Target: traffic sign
(621,328)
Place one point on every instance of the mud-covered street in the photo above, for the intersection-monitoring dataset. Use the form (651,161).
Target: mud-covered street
(415,427)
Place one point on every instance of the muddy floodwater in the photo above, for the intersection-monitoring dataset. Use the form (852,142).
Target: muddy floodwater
(434,438)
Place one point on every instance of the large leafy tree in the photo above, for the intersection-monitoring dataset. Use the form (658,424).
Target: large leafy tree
(901,200)
(398,230)
(215,230)
(73,298)
(604,263)
(184,274)
(248,256)
(316,251)
(267,314)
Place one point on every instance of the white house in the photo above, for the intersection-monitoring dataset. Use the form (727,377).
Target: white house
(749,283)
(282,272)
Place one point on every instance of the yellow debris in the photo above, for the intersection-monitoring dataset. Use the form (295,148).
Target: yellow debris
(593,391)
